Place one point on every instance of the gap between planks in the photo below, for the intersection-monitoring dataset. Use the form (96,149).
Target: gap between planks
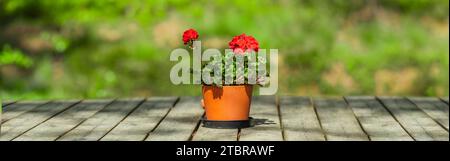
(318,119)
(376,121)
(434,108)
(33,118)
(56,114)
(142,121)
(96,126)
(59,125)
(277,103)
(266,118)
(180,123)
(121,120)
(299,119)
(6,103)
(358,120)
(445,100)
(170,109)
(415,121)
(338,120)
(14,110)
(281,119)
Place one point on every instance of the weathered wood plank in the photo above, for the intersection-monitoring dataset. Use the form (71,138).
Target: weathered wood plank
(265,113)
(14,110)
(6,103)
(180,123)
(97,126)
(21,124)
(299,119)
(144,119)
(60,124)
(378,123)
(445,99)
(418,124)
(434,107)
(209,134)
(338,120)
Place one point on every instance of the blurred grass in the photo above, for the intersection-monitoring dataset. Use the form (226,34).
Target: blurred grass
(104,48)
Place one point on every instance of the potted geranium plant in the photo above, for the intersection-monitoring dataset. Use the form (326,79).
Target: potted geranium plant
(227,99)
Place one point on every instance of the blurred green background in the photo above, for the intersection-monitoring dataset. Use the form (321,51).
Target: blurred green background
(106,48)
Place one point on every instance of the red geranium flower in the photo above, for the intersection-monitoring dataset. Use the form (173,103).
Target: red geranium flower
(189,36)
(242,43)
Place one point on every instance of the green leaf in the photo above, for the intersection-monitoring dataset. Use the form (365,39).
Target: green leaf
(12,56)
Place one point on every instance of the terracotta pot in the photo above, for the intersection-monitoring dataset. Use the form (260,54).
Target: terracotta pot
(227,103)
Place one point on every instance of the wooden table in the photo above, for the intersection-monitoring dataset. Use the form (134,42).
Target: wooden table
(277,118)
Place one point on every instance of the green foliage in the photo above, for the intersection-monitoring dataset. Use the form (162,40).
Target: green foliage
(437,8)
(230,64)
(57,41)
(109,48)
(12,56)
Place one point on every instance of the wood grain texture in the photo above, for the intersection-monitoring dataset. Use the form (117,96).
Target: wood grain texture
(418,124)
(180,123)
(98,125)
(142,121)
(267,124)
(210,134)
(65,121)
(299,118)
(434,107)
(300,122)
(21,124)
(13,110)
(378,123)
(338,120)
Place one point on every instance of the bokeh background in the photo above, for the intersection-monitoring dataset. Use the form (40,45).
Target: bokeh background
(108,48)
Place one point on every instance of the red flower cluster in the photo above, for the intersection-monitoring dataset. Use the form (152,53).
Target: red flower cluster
(189,36)
(239,44)
(242,43)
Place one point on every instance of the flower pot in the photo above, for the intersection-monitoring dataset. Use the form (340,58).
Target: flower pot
(227,103)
